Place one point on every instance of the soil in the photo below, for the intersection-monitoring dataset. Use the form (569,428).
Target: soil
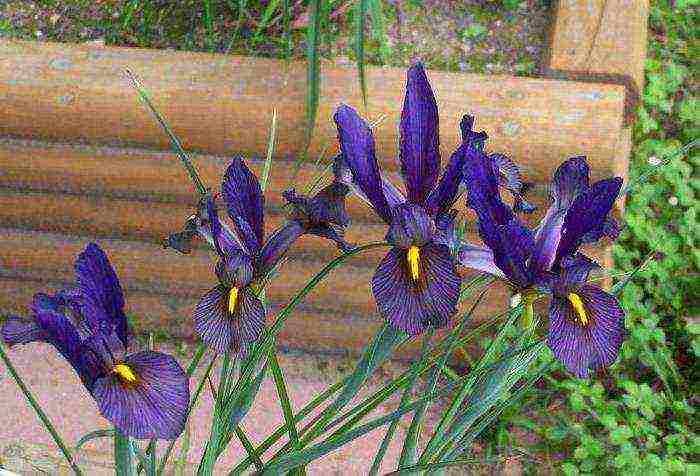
(456,35)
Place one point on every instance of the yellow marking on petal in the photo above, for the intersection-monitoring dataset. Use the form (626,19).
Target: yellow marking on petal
(577,304)
(125,373)
(232,299)
(413,258)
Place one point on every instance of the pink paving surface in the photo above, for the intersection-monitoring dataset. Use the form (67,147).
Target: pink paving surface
(74,412)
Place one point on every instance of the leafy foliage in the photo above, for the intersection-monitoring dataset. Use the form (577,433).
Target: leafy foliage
(640,417)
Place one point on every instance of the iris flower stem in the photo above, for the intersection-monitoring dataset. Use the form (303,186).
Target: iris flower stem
(405,397)
(437,439)
(199,353)
(217,434)
(359,410)
(40,413)
(122,455)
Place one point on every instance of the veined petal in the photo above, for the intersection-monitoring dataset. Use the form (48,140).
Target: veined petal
(222,238)
(277,246)
(419,145)
(16,330)
(478,258)
(102,303)
(225,331)
(154,405)
(357,147)
(509,178)
(414,305)
(582,348)
(588,214)
(569,180)
(245,203)
(444,195)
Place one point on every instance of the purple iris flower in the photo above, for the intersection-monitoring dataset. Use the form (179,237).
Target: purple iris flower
(586,323)
(231,316)
(416,285)
(144,394)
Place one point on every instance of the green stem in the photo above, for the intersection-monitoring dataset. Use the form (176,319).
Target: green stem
(122,455)
(284,397)
(40,413)
(405,397)
(193,402)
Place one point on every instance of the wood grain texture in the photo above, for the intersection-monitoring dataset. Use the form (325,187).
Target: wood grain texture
(603,41)
(162,289)
(223,104)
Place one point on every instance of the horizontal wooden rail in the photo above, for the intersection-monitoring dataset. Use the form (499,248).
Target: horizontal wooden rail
(81,159)
(223,104)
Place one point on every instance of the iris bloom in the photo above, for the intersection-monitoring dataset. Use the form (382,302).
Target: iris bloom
(586,323)
(231,316)
(416,285)
(144,394)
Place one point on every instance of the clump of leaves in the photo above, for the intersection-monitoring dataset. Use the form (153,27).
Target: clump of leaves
(640,417)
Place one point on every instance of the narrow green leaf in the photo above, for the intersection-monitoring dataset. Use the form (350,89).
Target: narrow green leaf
(40,413)
(209,23)
(174,141)
(281,430)
(283,397)
(295,459)
(93,435)
(270,150)
(265,19)
(123,462)
(405,397)
(286,26)
(313,36)
(379,29)
(248,446)
(360,28)
(410,444)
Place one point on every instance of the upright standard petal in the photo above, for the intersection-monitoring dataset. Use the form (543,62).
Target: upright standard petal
(569,180)
(586,329)
(102,303)
(413,305)
(245,203)
(444,195)
(223,240)
(419,143)
(226,331)
(277,246)
(343,174)
(147,400)
(357,147)
(510,241)
(588,214)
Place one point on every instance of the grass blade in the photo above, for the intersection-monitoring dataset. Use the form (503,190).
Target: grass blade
(283,398)
(410,444)
(313,37)
(209,23)
(93,435)
(174,141)
(379,29)
(405,397)
(360,28)
(123,462)
(270,150)
(40,413)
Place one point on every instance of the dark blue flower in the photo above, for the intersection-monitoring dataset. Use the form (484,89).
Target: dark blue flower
(416,285)
(585,321)
(230,317)
(144,394)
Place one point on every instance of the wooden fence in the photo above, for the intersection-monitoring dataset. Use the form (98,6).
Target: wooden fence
(82,160)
